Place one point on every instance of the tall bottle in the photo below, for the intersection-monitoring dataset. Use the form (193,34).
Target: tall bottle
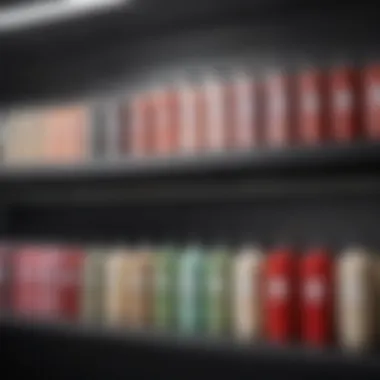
(115,287)
(191,289)
(316,296)
(218,290)
(165,270)
(355,299)
(247,293)
(141,288)
(93,285)
(281,296)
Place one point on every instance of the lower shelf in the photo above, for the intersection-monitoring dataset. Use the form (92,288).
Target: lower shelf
(63,351)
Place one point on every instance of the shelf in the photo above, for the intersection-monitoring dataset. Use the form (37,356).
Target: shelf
(136,14)
(363,156)
(127,20)
(175,352)
(330,169)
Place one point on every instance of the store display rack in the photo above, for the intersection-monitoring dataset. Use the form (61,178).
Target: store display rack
(113,352)
(287,194)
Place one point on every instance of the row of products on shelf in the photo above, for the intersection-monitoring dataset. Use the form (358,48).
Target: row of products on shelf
(214,114)
(279,296)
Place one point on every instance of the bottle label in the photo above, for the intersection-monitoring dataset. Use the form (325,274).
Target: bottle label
(314,290)
(374,95)
(311,102)
(216,285)
(343,99)
(162,282)
(188,123)
(278,288)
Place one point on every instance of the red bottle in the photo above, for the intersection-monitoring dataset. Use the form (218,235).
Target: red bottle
(316,274)
(281,298)
(371,104)
(70,287)
(311,107)
(23,289)
(160,122)
(344,104)
(165,122)
(174,121)
(46,300)
(278,129)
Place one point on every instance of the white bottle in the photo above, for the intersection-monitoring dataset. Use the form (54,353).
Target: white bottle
(355,299)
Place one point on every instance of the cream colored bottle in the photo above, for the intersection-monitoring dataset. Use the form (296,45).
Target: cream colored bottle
(376,283)
(129,270)
(114,294)
(355,299)
(247,308)
(140,293)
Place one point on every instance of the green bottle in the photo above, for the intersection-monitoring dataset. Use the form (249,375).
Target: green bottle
(165,285)
(218,291)
(191,290)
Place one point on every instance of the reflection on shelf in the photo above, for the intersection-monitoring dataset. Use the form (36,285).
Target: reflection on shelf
(20,16)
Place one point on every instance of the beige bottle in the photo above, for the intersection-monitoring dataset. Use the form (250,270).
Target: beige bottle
(247,303)
(376,283)
(128,269)
(93,285)
(115,284)
(355,299)
(140,289)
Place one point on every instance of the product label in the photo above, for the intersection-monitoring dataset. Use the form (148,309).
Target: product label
(139,118)
(278,289)
(162,122)
(244,283)
(245,112)
(314,290)
(216,285)
(311,102)
(343,100)
(187,285)
(353,292)
(162,282)
(25,273)
(277,103)
(374,95)
(277,113)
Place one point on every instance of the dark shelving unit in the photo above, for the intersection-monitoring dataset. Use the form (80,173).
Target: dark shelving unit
(115,352)
(302,195)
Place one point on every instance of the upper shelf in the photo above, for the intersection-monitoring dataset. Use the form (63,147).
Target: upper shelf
(16,18)
(360,157)
(99,20)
